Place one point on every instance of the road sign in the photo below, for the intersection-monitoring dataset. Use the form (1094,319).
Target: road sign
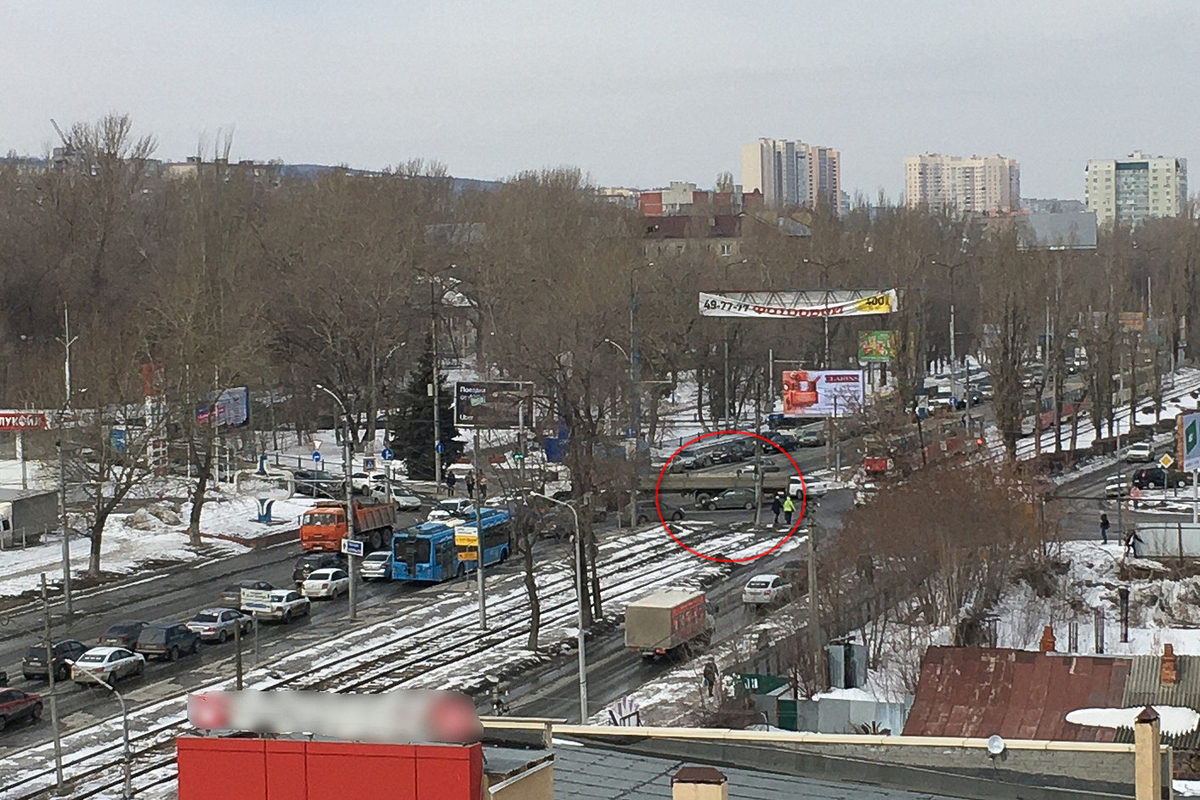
(256,599)
(22,421)
(1166,461)
(316,444)
(316,456)
(387,454)
(1189,442)
(117,437)
(368,465)
(440,448)
(352,547)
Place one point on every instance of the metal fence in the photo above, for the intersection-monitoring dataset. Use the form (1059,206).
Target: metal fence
(1169,540)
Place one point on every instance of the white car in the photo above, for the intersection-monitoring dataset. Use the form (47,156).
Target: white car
(377,566)
(281,604)
(453,507)
(764,590)
(1139,452)
(328,582)
(108,663)
(813,489)
(360,482)
(1116,486)
(403,497)
(219,624)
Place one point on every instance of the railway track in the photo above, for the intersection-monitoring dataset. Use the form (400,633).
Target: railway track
(398,660)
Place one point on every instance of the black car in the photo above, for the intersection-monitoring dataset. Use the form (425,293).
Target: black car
(33,665)
(318,483)
(308,564)
(122,634)
(1160,478)
(784,441)
(648,512)
(168,641)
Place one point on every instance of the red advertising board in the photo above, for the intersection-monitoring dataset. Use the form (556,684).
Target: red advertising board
(22,421)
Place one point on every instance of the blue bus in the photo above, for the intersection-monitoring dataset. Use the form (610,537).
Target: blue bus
(428,552)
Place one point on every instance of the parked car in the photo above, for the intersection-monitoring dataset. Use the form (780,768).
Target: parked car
(307,564)
(647,511)
(122,634)
(33,665)
(693,458)
(1160,478)
(765,590)
(451,507)
(282,605)
(737,497)
(109,663)
(219,624)
(16,706)
(813,488)
(328,583)
(318,483)
(810,439)
(784,441)
(377,566)
(168,641)
(1139,452)
(766,464)
(231,596)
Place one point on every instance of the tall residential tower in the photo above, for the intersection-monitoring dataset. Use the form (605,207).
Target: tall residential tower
(1131,190)
(791,174)
(975,184)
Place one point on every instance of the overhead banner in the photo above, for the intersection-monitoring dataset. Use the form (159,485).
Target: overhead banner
(876,345)
(822,393)
(832,303)
(493,404)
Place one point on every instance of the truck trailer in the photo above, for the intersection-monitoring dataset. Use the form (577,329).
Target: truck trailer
(25,514)
(323,527)
(667,621)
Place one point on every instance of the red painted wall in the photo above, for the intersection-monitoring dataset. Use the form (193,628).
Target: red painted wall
(286,769)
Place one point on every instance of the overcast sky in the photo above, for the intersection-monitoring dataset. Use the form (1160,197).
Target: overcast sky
(633,93)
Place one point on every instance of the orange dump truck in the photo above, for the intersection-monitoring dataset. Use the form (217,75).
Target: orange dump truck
(323,526)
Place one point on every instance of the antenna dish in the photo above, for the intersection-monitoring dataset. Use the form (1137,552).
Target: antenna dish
(995,745)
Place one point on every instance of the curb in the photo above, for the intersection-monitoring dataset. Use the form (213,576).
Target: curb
(259,542)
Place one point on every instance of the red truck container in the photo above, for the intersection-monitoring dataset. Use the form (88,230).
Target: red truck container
(666,620)
(323,526)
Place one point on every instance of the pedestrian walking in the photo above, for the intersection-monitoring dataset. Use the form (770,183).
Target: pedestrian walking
(776,508)
(482,488)
(470,483)
(1104,528)
(710,676)
(450,481)
(789,508)
(1132,540)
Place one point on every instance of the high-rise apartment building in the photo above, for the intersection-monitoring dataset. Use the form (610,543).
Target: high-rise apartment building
(1131,190)
(975,184)
(792,174)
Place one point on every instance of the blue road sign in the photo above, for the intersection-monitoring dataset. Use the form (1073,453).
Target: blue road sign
(369,464)
(440,448)
(352,547)
(386,454)
(316,456)
(117,437)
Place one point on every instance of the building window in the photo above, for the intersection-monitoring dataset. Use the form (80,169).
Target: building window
(726,249)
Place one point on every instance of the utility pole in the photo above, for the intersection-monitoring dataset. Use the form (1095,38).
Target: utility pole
(58,767)
(726,424)
(347,468)
(434,392)
(62,516)
(635,369)
(758,476)
(479,537)
(237,650)
(814,621)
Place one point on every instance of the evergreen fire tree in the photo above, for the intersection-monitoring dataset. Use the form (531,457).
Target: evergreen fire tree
(412,426)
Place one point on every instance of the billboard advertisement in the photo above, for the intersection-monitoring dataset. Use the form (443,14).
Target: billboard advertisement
(1132,320)
(22,421)
(822,393)
(492,404)
(799,305)
(876,345)
(232,409)
(1189,442)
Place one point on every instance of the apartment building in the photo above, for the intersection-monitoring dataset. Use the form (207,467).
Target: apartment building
(1131,190)
(792,174)
(966,185)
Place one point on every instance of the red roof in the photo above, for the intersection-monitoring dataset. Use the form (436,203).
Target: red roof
(684,227)
(1018,694)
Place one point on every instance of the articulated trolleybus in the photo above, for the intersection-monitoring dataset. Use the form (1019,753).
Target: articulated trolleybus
(432,552)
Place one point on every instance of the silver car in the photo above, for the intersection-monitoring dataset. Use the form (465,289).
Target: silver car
(219,624)
(377,566)
(107,663)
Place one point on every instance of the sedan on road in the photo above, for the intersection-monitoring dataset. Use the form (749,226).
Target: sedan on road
(33,665)
(404,498)
(648,512)
(327,583)
(168,641)
(282,604)
(377,566)
(108,663)
(308,564)
(1139,452)
(231,596)
(764,590)
(737,497)
(219,624)
(16,705)
(122,634)
(453,507)
(766,464)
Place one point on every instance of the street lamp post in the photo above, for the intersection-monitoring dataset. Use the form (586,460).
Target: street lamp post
(950,268)
(825,286)
(583,714)
(128,752)
(347,457)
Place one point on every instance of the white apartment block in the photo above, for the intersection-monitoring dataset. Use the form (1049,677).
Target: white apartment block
(792,174)
(1134,189)
(968,185)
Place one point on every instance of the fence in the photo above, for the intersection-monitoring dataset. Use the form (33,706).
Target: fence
(1169,540)
(19,538)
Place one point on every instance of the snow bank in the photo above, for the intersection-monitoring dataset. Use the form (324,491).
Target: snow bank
(1173,720)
